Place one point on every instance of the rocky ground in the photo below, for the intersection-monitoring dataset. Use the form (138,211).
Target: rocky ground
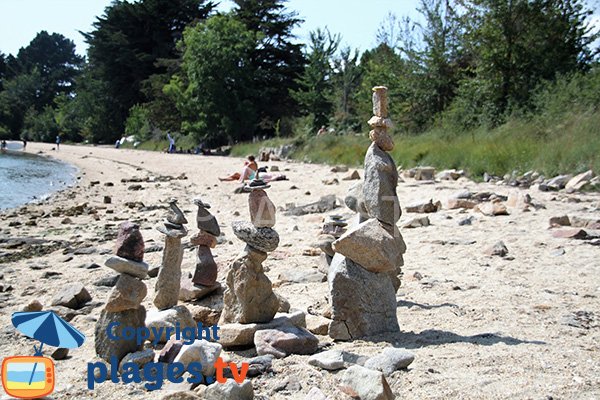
(483,320)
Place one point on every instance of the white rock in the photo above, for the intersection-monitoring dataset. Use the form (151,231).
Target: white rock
(330,360)
(201,351)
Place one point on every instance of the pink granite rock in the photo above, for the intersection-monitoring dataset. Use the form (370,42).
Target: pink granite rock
(262,209)
(206,268)
(130,243)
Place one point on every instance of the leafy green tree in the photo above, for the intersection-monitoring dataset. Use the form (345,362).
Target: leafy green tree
(214,93)
(19,95)
(315,93)
(125,46)
(517,44)
(346,81)
(276,61)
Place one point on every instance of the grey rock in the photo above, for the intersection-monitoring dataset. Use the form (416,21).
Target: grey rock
(379,186)
(424,173)
(466,221)
(249,294)
(316,394)
(125,266)
(105,346)
(107,281)
(60,354)
(236,334)
(201,351)
(169,319)
(366,384)
(230,390)
(188,291)
(139,358)
(330,360)
(182,395)
(284,341)
(355,200)
(128,293)
(263,239)
(363,302)
(205,220)
(390,360)
(169,276)
(417,222)
(301,276)
(373,246)
(73,295)
(176,215)
(170,350)
(317,324)
(206,270)
(498,249)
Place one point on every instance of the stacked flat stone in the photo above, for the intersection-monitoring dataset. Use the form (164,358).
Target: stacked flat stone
(249,296)
(204,279)
(363,275)
(333,228)
(124,303)
(169,275)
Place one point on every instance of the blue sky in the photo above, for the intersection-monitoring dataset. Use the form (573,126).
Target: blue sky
(356,20)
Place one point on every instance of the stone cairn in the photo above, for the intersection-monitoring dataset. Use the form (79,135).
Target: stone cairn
(168,282)
(124,302)
(363,275)
(333,228)
(249,296)
(204,280)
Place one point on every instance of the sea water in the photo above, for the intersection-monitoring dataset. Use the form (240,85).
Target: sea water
(28,177)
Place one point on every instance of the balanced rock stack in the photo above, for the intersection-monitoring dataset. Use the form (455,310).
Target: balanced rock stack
(169,275)
(333,228)
(249,296)
(124,303)
(169,314)
(204,280)
(363,275)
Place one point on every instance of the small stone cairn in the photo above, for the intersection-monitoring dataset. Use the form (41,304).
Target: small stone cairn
(204,280)
(168,282)
(124,302)
(363,275)
(249,296)
(333,228)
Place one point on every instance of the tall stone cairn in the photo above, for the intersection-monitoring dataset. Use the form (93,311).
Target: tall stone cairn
(249,296)
(169,275)
(205,274)
(363,275)
(124,302)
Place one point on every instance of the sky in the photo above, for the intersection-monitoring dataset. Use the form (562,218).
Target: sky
(356,20)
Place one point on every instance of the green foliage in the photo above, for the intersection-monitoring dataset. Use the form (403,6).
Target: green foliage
(138,123)
(315,93)
(40,126)
(214,95)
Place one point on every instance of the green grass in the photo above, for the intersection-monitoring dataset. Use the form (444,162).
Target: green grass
(571,145)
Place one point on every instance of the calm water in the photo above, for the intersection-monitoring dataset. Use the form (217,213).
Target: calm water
(26,177)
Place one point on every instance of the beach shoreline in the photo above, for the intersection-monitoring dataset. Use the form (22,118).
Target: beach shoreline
(522,326)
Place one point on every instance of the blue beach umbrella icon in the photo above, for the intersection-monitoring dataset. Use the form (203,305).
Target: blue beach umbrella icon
(48,328)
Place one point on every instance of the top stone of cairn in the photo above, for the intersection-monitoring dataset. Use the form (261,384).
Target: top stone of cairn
(380,101)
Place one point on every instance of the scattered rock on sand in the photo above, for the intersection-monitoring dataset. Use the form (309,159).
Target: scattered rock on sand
(579,181)
(201,351)
(73,295)
(574,233)
(417,222)
(424,173)
(492,208)
(230,390)
(353,176)
(563,220)
(33,305)
(330,360)
(60,354)
(284,341)
(139,358)
(424,207)
(499,249)
(178,315)
(390,360)
(365,383)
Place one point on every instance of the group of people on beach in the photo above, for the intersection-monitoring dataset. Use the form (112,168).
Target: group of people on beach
(250,171)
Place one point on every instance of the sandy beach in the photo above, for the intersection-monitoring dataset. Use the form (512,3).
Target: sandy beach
(523,326)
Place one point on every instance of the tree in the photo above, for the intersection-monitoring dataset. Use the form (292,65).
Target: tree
(126,44)
(315,93)
(214,93)
(518,44)
(346,81)
(275,61)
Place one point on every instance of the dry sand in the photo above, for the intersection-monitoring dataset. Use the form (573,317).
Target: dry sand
(526,326)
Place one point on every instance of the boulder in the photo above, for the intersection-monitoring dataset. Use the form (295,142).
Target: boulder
(363,302)
(366,384)
(373,246)
(284,341)
(72,295)
(169,318)
(390,360)
(128,293)
(107,347)
(201,351)
(249,294)
(379,186)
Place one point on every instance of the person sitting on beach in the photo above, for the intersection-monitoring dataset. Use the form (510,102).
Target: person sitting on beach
(248,172)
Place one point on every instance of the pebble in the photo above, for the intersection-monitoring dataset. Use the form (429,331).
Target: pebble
(390,360)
